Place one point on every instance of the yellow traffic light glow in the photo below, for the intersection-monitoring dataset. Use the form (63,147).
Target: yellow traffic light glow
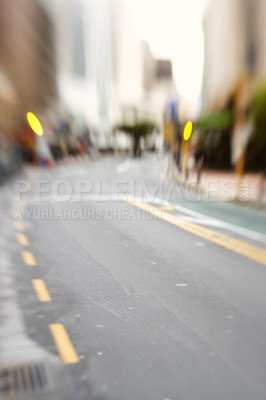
(35,124)
(187,131)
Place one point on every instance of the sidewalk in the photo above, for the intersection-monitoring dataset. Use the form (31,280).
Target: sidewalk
(223,185)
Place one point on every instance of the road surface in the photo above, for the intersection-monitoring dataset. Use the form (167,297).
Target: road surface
(145,297)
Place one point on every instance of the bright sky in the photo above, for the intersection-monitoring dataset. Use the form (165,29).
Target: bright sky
(173,29)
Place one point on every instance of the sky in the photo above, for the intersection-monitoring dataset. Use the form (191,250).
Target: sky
(173,29)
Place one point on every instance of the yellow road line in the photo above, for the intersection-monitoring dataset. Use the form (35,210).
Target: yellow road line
(41,290)
(255,253)
(28,258)
(19,226)
(170,207)
(22,239)
(63,343)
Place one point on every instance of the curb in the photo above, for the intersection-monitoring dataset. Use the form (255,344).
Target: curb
(19,355)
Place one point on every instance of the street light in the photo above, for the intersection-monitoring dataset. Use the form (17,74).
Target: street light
(186,136)
(187,131)
(34,123)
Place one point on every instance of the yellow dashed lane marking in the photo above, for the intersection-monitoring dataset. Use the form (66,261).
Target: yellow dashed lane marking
(19,226)
(41,290)
(17,215)
(255,253)
(63,343)
(28,258)
(22,239)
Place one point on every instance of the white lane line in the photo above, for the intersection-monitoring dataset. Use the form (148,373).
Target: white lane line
(220,224)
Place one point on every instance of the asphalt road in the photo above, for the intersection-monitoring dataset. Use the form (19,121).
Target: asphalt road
(152,306)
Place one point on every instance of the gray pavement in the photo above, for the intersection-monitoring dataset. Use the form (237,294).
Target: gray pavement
(153,311)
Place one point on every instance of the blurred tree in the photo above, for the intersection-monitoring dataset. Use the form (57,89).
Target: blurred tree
(137,131)
(256,151)
(216,120)
(258,115)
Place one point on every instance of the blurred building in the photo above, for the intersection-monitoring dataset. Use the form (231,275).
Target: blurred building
(224,51)
(27,67)
(106,75)
(82,43)
(141,82)
(235,42)
(235,65)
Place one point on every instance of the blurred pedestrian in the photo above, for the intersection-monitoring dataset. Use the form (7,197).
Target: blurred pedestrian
(199,156)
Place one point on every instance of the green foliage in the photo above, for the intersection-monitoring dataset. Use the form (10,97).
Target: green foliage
(258,115)
(139,129)
(219,120)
